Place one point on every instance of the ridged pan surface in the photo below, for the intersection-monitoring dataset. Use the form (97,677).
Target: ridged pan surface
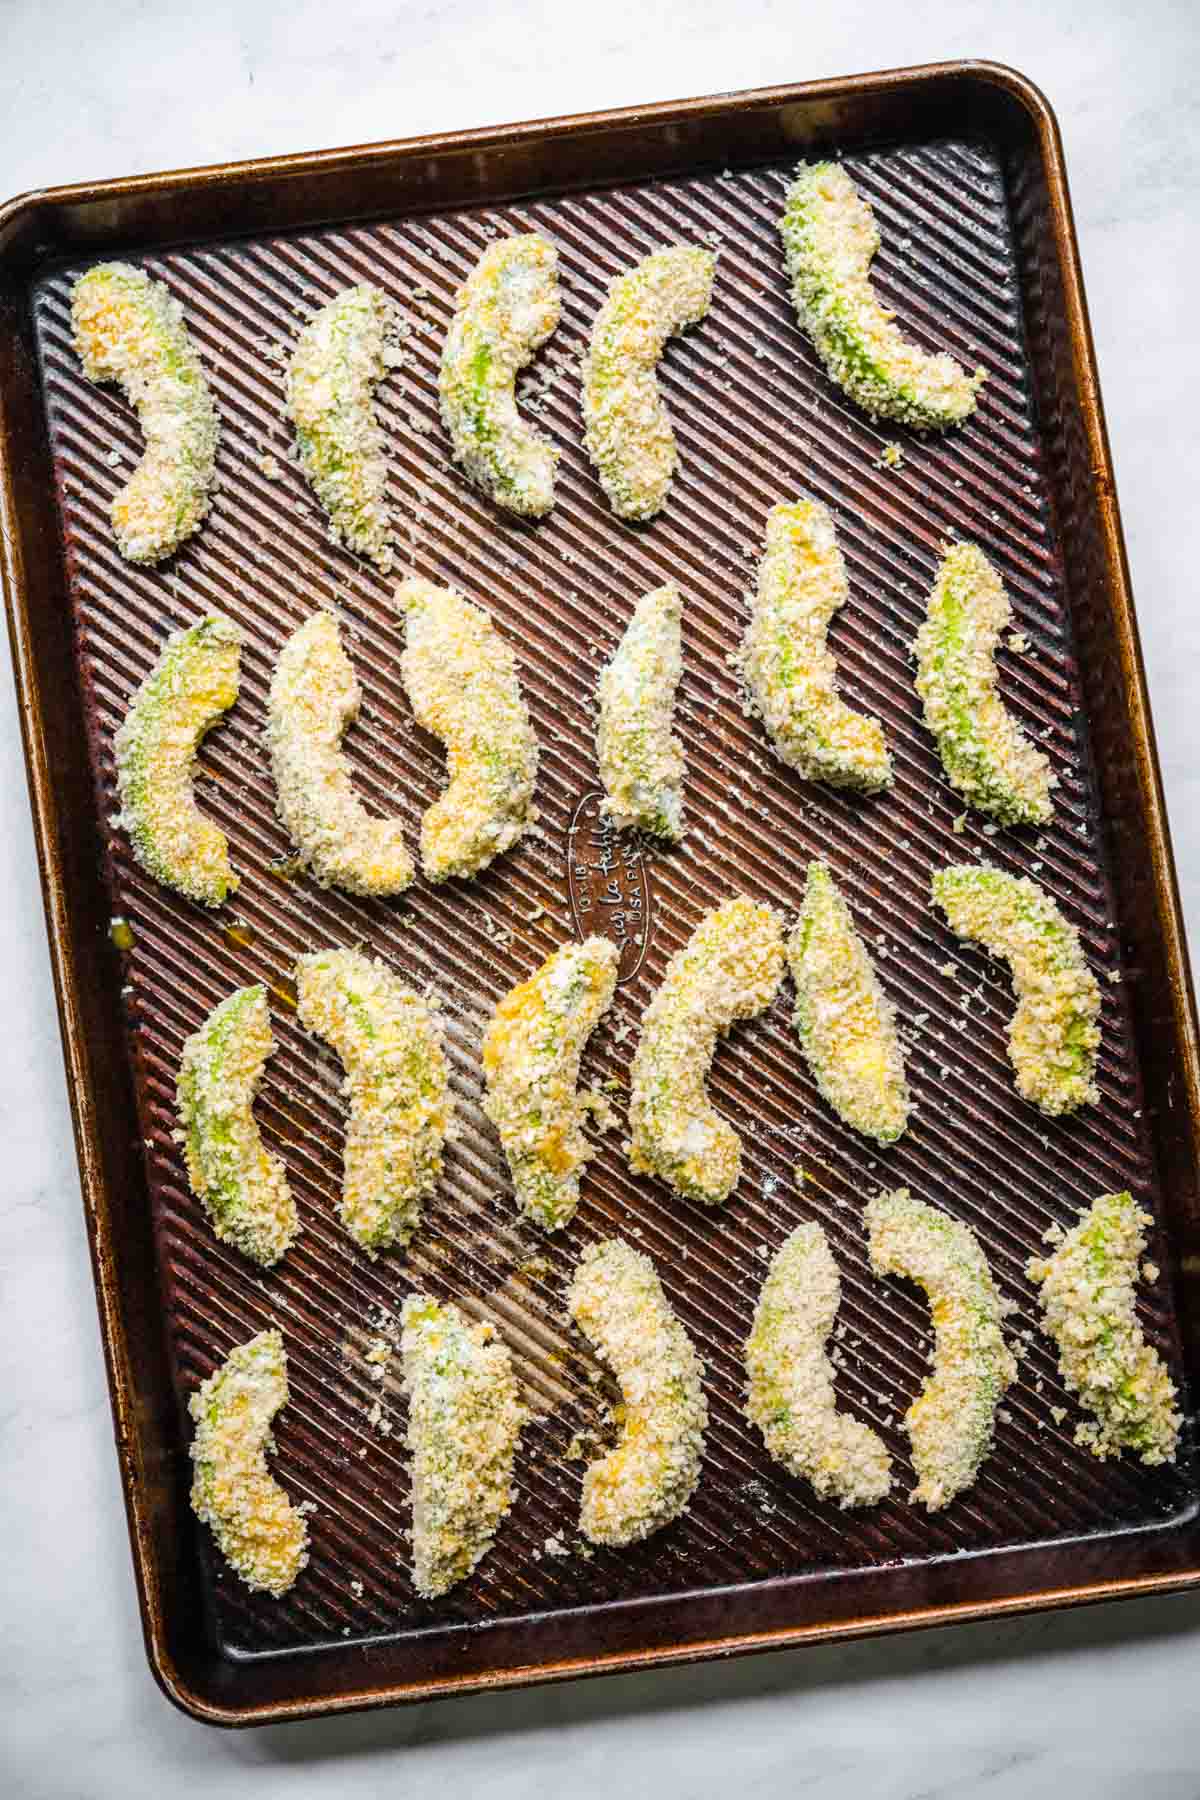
(757,422)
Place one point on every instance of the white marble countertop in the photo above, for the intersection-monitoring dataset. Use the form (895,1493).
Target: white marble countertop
(1102,1702)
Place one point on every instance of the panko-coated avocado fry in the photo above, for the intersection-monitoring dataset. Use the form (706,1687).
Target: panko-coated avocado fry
(789,668)
(984,752)
(628,431)
(845,1021)
(951,1422)
(339,360)
(193,682)
(829,239)
(313,698)
(503,313)
(531,1059)
(641,761)
(1054,1037)
(462,681)
(464,1420)
(729,969)
(130,330)
(396,1086)
(1089,1306)
(791,1392)
(651,1473)
(261,1535)
(242,1186)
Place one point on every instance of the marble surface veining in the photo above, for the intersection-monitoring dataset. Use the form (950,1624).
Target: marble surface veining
(1102,1703)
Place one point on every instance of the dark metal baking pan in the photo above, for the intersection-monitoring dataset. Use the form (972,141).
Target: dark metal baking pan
(963,165)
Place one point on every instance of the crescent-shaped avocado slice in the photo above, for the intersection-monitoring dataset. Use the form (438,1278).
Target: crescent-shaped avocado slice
(260,1533)
(503,313)
(1054,1036)
(628,429)
(952,1420)
(791,1392)
(729,969)
(241,1184)
(396,1083)
(462,681)
(984,752)
(845,1022)
(650,1474)
(1089,1304)
(531,1056)
(830,238)
(194,681)
(131,330)
(789,667)
(464,1422)
(339,361)
(313,698)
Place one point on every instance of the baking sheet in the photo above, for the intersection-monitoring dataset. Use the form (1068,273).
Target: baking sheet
(757,422)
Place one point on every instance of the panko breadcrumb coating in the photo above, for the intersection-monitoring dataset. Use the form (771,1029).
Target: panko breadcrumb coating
(1089,1305)
(791,1392)
(729,969)
(845,1021)
(830,238)
(951,1422)
(1054,1037)
(262,1536)
(628,431)
(984,752)
(531,1057)
(129,329)
(241,1184)
(641,761)
(647,1479)
(193,682)
(789,668)
(503,313)
(314,696)
(339,361)
(396,1086)
(461,678)
(464,1420)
